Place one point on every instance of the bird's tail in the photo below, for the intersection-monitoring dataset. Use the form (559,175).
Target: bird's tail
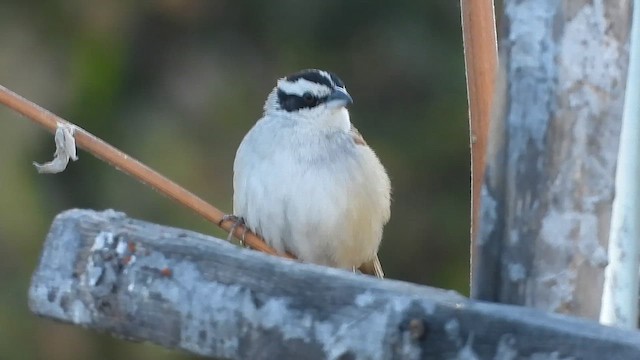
(372,267)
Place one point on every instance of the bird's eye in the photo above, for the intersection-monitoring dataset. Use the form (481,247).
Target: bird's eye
(308,98)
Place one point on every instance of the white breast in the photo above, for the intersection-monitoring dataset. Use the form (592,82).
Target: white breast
(311,191)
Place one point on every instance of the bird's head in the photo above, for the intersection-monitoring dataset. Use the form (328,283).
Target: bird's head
(309,95)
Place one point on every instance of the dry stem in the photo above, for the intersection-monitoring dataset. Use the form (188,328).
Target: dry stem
(131,166)
(481,58)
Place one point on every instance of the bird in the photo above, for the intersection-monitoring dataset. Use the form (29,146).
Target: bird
(306,181)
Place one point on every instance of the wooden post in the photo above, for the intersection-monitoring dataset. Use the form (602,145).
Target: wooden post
(620,295)
(546,200)
(183,290)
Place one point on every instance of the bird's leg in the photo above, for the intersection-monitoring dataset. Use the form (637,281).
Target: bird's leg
(244,233)
(237,221)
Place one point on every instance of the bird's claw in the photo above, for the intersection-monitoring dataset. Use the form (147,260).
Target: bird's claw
(237,221)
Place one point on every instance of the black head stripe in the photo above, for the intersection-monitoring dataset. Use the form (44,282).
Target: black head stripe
(295,102)
(291,102)
(313,76)
(336,80)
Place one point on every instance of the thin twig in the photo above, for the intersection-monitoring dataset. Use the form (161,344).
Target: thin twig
(481,58)
(131,166)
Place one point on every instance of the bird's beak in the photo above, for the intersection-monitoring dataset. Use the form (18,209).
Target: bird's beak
(339,98)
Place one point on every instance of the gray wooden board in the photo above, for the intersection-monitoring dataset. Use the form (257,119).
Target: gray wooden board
(184,290)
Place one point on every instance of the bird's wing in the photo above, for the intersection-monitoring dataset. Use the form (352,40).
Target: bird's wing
(357,137)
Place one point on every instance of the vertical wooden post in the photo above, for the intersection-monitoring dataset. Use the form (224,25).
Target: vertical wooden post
(480,56)
(620,295)
(549,184)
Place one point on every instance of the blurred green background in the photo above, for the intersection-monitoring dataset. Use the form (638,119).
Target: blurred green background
(177,83)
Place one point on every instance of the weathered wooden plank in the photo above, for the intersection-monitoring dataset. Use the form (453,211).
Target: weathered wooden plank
(184,290)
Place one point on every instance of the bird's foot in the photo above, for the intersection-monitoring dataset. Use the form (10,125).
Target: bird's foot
(237,221)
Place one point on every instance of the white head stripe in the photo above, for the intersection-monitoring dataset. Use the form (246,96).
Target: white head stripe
(326,75)
(301,86)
